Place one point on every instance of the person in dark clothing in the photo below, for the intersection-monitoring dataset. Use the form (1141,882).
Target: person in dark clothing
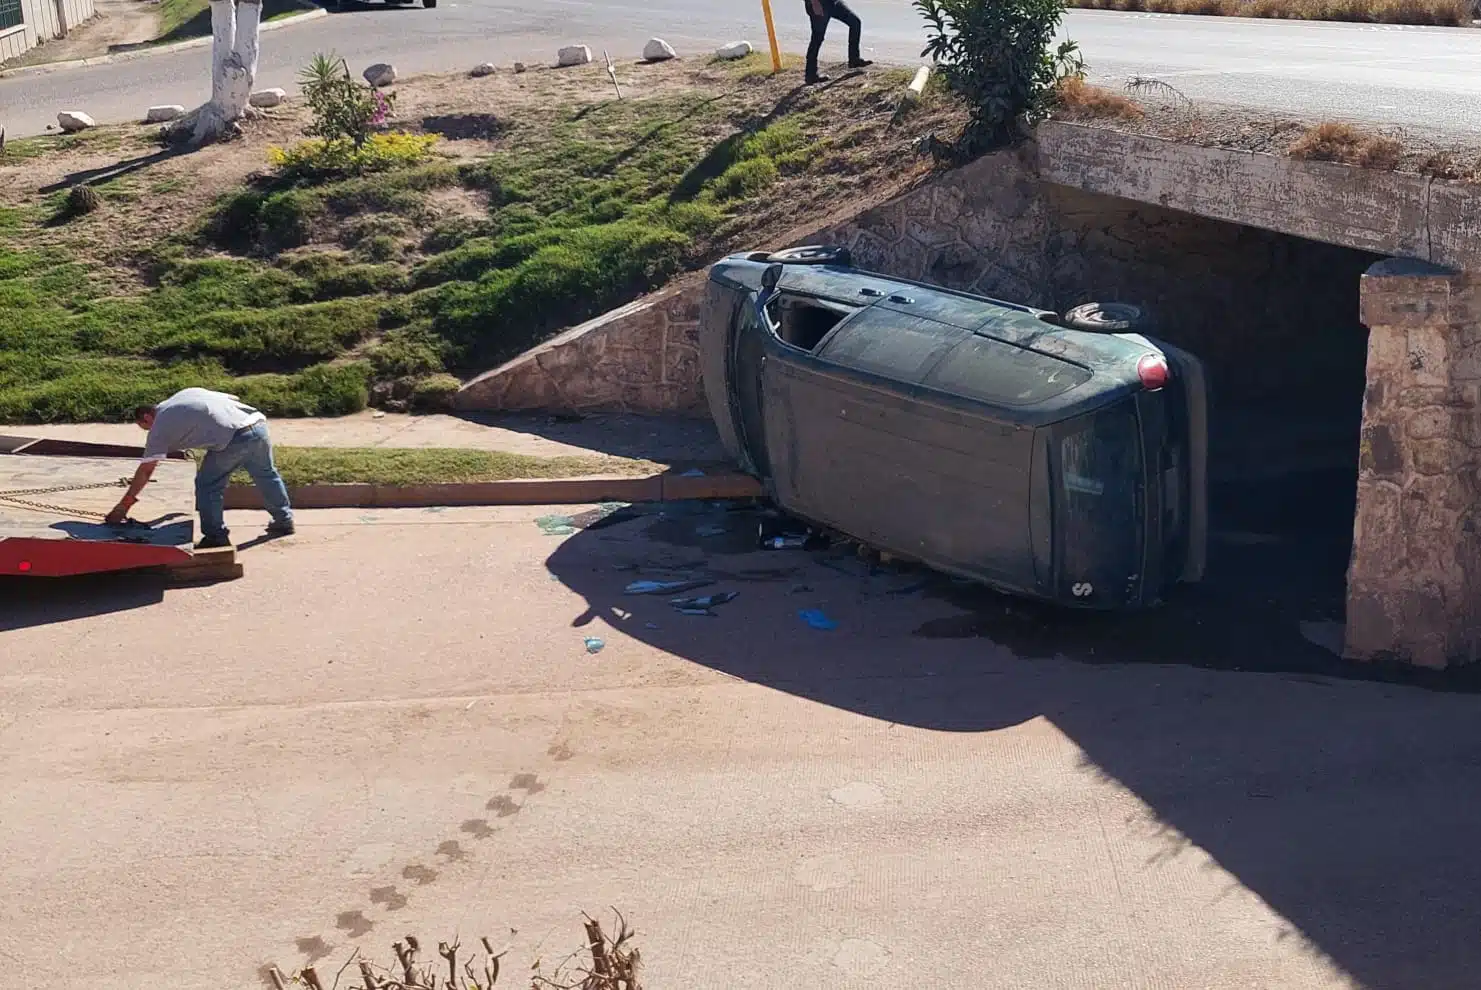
(820,12)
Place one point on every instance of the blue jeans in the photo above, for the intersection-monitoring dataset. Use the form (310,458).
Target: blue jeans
(252,451)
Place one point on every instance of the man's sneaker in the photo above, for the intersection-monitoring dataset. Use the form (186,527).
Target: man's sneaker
(213,543)
(815,80)
(281,528)
(860,63)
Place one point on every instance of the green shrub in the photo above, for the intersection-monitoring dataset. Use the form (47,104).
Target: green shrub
(999,56)
(591,270)
(381,247)
(288,337)
(322,390)
(360,280)
(343,109)
(407,353)
(453,233)
(317,159)
(435,393)
(746,178)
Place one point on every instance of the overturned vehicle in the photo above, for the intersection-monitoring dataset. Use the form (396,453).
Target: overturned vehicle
(1058,457)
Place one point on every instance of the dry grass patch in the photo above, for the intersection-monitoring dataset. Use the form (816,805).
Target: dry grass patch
(605,962)
(1078,100)
(1448,13)
(1342,143)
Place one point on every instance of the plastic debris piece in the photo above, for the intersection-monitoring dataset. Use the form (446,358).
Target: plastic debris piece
(815,618)
(785,543)
(699,611)
(664,587)
(705,603)
(693,473)
(556,525)
(594,645)
(650,625)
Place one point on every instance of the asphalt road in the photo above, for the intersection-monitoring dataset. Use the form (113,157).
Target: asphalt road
(1421,77)
(393,725)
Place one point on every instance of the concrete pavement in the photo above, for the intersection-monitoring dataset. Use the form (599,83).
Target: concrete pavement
(1418,77)
(393,725)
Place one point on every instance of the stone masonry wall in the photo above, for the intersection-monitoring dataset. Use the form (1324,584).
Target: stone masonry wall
(643,358)
(1414,584)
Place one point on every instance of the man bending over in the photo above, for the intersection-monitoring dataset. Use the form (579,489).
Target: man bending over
(233,435)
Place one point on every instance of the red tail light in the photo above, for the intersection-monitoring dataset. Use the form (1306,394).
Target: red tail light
(1153,371)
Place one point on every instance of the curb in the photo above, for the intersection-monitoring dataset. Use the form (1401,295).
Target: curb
(78,63)
(558,491)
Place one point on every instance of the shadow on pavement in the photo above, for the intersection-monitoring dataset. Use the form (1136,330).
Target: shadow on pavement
(1348,799)
(29,602)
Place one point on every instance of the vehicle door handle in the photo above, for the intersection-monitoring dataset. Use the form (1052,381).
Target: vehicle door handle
(866,291)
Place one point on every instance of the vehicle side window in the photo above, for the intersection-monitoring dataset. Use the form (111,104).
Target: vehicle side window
(904,348)
(990,370)
(803,322)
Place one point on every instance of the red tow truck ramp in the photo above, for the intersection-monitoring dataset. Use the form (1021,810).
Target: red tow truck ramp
(54,494)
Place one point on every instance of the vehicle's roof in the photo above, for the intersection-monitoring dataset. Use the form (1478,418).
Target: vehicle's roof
(971,346)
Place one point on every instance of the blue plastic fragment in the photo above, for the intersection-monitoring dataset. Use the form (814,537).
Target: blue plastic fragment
(816,619)
(594,645)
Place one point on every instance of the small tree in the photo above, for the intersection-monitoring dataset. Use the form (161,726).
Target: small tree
(234,35)
(1000,56)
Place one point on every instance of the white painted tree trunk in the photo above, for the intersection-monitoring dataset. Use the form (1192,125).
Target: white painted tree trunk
(234,33)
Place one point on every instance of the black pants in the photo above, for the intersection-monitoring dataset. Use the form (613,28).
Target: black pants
(831,10)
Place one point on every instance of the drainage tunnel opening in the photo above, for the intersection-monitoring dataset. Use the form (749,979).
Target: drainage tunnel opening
(1275,319)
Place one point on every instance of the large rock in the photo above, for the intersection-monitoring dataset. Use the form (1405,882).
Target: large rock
(573,55)
(75,120)
(265,98)
(160,114)
(380,74)
(735,50)
(659,50)
(483,69)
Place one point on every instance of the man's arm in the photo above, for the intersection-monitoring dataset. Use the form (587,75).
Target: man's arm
(142,474)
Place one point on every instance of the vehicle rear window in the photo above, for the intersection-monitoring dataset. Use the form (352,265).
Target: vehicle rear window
(990,370)
(904,348)
(1100,501)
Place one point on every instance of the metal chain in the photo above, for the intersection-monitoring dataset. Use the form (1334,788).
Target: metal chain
(13,497)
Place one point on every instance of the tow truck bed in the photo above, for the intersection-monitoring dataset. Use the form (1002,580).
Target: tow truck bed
(63,535)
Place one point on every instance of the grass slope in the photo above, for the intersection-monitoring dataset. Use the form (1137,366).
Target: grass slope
(306,298)
(394,466)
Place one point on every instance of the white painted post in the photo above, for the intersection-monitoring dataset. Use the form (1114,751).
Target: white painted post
(223,34)
(244,57)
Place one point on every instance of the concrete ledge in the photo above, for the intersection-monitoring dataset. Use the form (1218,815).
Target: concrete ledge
(1382,212)
(560,491)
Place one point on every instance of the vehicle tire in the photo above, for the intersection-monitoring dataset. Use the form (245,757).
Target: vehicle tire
(813,254)
(1108,318)
(429,4)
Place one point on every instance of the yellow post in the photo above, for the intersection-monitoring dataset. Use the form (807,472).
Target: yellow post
(776,53)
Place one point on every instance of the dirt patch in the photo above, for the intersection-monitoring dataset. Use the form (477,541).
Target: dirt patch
(1166,113)
(117,24)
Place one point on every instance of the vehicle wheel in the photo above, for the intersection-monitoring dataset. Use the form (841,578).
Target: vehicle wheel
(815,254)
(1108,318)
